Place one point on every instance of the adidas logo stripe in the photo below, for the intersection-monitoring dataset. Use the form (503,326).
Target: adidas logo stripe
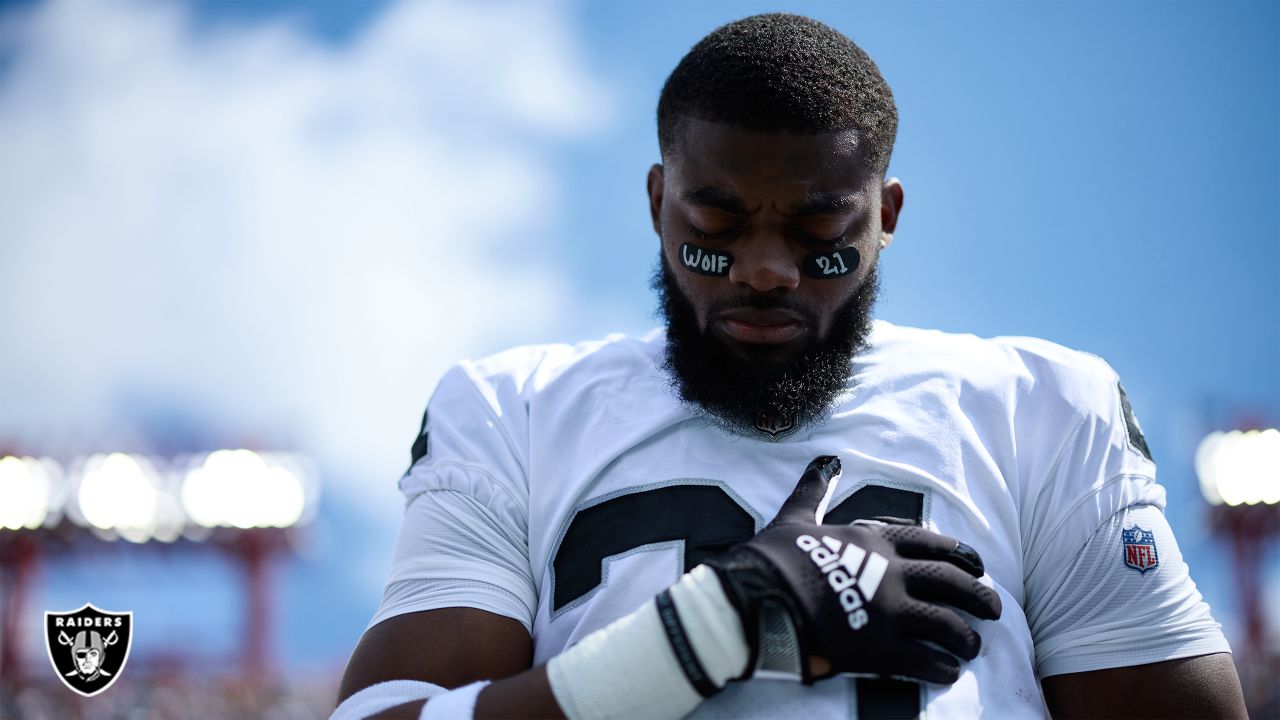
(853,573)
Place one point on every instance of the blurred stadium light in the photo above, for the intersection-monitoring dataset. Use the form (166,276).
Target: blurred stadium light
(118,493)
(1239,472)
(245,489)
(1240,467)
(128,496)
(25,485)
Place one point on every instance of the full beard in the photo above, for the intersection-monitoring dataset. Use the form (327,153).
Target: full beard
(740,392)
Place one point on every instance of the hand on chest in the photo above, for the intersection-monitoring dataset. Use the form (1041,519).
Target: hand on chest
(697,517)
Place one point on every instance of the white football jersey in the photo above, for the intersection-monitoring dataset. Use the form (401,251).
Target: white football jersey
(564,486)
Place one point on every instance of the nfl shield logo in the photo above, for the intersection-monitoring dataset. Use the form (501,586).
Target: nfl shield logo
(1140,549)
(88,647)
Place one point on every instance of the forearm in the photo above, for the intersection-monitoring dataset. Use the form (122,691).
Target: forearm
(627,668)
(526,695)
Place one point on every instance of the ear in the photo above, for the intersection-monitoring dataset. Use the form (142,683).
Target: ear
(890,207)
(655,197)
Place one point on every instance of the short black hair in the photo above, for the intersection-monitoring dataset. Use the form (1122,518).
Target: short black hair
(781,72)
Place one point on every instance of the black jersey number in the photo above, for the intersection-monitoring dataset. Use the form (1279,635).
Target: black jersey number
(708,520)
(705,517)
(883,698)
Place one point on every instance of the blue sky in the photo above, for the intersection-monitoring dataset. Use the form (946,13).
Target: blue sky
(1104,175)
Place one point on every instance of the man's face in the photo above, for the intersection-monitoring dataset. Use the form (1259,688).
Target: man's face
(766,339)
(87,661)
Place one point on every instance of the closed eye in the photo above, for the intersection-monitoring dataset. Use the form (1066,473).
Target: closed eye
(708,236)
(831,242)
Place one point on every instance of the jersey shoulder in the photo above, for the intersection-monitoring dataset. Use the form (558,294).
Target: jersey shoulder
(529,369)
(1066,380)
(1039,375)
(520,374)
(480,408)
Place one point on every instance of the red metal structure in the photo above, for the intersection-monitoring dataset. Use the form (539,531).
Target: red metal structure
(18,560)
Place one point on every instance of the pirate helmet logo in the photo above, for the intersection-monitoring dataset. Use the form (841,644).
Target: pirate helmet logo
(88,647)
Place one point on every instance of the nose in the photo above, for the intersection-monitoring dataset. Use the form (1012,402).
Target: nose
(764,262)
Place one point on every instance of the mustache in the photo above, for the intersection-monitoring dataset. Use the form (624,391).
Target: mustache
(764,301)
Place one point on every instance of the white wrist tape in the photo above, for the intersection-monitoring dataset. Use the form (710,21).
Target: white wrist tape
(383,696)
(630,668)
(459,704)
(712,624)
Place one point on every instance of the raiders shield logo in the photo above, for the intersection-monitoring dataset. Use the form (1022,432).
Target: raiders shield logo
(88,647)
(774,427)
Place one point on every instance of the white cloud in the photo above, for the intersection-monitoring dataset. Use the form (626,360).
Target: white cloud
(270,232)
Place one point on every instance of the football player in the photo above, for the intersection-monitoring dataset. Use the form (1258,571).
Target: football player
(776,506)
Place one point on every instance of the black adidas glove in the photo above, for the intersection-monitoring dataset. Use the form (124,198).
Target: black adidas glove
(867,596)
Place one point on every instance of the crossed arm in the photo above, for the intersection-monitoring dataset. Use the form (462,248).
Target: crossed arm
(452,647)
(455,646)
(1194,687)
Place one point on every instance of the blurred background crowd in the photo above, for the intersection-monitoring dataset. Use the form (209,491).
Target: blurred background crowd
(240,242)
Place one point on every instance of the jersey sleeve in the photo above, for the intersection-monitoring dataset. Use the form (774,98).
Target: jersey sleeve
(1092,477)
(1082,456)
(464,539)
(1126,598)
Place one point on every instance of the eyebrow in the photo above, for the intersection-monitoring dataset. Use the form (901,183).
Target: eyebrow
(714,198)
(825,203)
(818,203)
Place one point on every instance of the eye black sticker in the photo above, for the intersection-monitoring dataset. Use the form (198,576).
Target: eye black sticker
(714,263)
(832,263)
